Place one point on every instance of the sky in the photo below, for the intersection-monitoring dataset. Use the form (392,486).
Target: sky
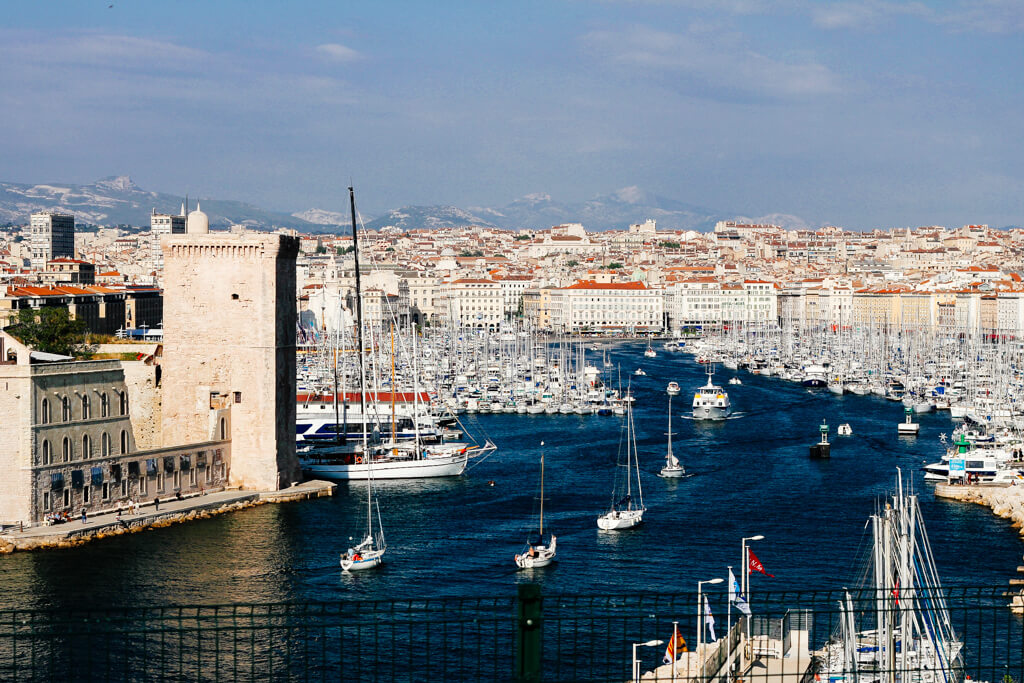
(860,113)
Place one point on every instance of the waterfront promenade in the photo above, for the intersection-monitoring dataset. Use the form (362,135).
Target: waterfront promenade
(114,522)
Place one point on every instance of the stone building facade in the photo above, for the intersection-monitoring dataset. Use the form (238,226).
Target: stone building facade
(229,349)
(70,441)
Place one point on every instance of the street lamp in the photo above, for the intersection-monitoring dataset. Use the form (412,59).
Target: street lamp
(700,612)
(636,662)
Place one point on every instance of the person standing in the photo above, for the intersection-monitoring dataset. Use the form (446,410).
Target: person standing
(156,503)
(85,517)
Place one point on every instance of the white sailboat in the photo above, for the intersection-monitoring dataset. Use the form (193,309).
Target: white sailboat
(625,512)
(673,469)
(906,631)
(370,552)
(539,552)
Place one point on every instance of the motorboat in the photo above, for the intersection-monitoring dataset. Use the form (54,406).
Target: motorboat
(711,402)
(673,389)
(844,429)
(639,372)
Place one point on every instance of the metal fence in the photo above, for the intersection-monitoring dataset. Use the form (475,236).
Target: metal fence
(528,636)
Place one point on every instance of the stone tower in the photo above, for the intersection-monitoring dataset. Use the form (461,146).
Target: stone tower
(229,350)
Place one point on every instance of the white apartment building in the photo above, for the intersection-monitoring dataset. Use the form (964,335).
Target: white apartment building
(512,288)
(706,302)
(52,235)
(473,302)
(606,306)
(163,224)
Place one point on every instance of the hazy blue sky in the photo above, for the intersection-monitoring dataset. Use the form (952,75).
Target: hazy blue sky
(866,113)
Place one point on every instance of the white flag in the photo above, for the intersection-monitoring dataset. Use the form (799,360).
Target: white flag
(709,619)
(735,597)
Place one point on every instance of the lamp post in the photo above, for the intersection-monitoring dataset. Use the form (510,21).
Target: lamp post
(745,587)
(700,613)
(636,662)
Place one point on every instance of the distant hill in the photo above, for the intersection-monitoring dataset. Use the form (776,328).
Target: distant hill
(117,200)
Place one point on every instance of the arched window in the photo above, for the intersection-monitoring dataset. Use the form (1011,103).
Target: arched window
(105,445)
(46,452)
(66,450)
(104,405)
(223,429)
(124,402)
(45,412)
(65,409)
(86,408)
(86,447)
(124,441)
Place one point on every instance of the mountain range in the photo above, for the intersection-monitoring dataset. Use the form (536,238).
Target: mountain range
(117,200)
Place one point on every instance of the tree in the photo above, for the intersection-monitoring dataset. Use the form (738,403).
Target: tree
(572,264)
(321,249)
(668,244)
(52,330)
(345,250)
(614,265)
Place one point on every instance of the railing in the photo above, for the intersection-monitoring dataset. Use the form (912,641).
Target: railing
(528,636)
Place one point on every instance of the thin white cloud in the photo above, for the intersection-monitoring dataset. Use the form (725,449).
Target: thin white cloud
(859,14)
(337,52)
(708,62)
(968,16)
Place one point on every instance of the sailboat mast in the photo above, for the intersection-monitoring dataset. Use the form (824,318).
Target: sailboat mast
(362,365)
(359,316)
(542,493)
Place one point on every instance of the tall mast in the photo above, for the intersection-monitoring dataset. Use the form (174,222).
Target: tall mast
(542,493)
(359,317)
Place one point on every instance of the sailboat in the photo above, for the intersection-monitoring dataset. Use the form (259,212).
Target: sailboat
(673,469)
(626,513)
(649,352)
(539,552)
(370,552)
(906,626)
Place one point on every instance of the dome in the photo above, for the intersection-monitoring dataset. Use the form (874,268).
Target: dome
(197,223)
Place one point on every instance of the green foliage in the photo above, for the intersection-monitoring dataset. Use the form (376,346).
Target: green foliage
(52,330)
(668,244)
(476,252)
(573,264)
(345,250)
(521,236)
(390,249)
(614,265)
(321,249)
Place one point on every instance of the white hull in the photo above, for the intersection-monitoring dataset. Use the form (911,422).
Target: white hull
(712,412)
(542,556)
(620,519)
(672,472)
(368,560)
(908,428)
(448,466)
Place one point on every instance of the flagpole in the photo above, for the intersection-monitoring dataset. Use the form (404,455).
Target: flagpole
(746,583)
(675,648)
(728,629)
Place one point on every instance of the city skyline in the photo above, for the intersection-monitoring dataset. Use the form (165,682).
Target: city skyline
(860,114)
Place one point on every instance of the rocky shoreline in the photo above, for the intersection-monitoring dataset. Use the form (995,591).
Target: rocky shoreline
(1006,502)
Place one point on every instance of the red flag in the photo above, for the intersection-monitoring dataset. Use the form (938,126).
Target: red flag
(755,564)
(896,592)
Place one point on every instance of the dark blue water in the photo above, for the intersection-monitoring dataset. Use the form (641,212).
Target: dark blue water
(751,475)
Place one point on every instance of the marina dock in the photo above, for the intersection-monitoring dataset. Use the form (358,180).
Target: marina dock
(113,522)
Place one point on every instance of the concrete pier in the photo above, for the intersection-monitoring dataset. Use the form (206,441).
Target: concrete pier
(171,511)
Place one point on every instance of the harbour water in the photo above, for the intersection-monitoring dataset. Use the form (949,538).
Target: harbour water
(751,474)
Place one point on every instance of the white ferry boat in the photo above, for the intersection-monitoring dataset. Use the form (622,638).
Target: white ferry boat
(711,402)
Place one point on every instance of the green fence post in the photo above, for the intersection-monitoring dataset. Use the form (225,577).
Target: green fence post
(530,632)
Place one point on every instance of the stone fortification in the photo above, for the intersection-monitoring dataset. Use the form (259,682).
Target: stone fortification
(229,350)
